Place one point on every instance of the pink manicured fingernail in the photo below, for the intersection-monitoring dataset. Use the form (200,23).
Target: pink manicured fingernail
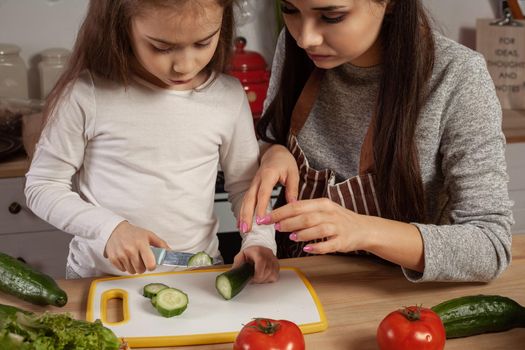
(277,226)
(265,220)
(307,248)
(293,200)
(244,227)
(293,236)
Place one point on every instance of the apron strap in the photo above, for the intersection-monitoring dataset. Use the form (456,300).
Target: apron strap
(366,161)
(306,101)
(302,110)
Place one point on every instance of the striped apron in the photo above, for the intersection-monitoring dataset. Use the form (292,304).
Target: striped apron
(357,193)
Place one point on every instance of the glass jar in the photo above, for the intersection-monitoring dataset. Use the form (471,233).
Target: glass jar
(53,62)
(13,72)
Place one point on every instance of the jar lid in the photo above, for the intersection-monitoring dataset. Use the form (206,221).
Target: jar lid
(244,60)
(55,52)
(9,49)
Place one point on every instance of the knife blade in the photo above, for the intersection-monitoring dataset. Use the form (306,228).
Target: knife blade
(170,257)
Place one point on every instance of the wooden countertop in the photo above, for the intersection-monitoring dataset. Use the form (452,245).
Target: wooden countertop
(15,167)
(356,293)
(513,128)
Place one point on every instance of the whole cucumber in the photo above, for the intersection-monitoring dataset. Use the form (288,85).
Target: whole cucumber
(23,282)
(231,282)
(477,314)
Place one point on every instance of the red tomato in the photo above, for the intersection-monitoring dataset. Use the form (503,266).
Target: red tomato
(413,327)
(268,334)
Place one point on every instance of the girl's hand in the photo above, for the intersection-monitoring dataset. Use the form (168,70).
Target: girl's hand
(128,248)
(265,262)
(277,165)
(344,230)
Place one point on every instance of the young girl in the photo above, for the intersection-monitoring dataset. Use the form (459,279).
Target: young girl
(140,121)
(389,135)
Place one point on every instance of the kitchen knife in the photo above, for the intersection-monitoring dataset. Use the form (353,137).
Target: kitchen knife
(172,258)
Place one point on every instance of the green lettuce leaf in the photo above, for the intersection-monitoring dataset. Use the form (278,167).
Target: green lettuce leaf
(20,330)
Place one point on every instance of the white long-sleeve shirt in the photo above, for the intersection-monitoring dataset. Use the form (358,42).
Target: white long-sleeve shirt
(146,155)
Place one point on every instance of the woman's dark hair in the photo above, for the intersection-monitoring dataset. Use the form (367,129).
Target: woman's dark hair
(407,63)
(103,44)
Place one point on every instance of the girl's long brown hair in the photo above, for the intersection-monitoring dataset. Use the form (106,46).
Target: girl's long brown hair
(103,44)
(407,63)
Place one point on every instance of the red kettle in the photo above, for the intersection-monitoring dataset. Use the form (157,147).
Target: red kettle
(251,69)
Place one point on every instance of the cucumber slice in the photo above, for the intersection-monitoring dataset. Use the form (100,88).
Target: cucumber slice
(154,300)
(171,302)
(200,259)
(231,282)
(150,290)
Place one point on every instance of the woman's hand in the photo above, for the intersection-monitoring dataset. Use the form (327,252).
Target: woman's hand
(346,231)
(128,248)
(277,166)
(265,262)
(312,219)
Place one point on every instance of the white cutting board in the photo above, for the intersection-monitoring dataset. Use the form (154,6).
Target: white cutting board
(209,318)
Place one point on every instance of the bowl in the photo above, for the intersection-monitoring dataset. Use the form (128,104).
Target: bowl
(18,123)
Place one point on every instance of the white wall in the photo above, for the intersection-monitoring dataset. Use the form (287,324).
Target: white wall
(457,18)
(35,25)
(39,24)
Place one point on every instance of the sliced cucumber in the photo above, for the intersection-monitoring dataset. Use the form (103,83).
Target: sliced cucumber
(231,282)
(171,302)
(200,259)
(150,290)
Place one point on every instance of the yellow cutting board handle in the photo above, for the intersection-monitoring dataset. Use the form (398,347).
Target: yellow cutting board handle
(114,294)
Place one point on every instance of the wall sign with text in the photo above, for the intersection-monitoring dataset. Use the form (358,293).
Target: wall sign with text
(504,51)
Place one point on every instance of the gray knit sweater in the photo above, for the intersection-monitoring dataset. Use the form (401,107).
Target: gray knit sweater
(461,153)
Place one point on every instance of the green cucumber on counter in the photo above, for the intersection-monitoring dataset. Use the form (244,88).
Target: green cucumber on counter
(231,282)
(24,282)
(478,314)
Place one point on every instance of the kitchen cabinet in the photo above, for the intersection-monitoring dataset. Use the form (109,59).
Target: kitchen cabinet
(514,130)
(516,169)
(46,251)
(26,237)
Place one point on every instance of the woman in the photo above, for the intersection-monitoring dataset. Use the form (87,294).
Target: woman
(389,135)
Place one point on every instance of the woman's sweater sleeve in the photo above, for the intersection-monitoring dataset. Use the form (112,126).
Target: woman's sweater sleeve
(476,244)
(59,154)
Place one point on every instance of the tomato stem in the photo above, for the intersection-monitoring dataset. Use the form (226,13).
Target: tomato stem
(412,313)
(268,328)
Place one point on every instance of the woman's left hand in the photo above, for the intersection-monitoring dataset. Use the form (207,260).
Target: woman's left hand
(265,262)
(307,220)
